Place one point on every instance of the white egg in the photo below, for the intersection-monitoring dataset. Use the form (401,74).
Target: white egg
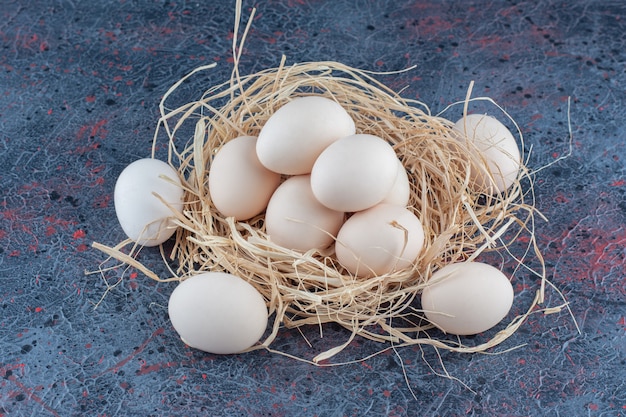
(144,218)
(293,137)
(467,298)
(497,148)
(354,173)
(296,220)
(379,240)
(218,313)
(239,185)
(400,192)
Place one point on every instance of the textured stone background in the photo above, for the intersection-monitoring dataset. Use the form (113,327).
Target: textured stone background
(80,87)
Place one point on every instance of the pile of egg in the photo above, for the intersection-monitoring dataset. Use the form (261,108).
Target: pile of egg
(318,182)
(331,171)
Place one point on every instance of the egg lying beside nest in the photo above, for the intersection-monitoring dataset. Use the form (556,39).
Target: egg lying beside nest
(467,298)
(143,216)
(218,313)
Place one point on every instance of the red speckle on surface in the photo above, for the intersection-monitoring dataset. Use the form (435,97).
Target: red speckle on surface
(28,392)
(618,183)
(102,201)
(593,406)
(55,221)
(90,99)
(93,130)
(560,198)
(79,234)
(120,364)
(484,42)
(387,393)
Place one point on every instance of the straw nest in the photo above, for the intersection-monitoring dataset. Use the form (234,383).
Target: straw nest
(312,288)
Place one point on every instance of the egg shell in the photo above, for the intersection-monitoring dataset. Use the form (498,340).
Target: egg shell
(239,185)
(218,313)
(144,218)
(400,192)
(467,298)
(296,220)
(293,137)
(496,147)
(379,240)
(354,173)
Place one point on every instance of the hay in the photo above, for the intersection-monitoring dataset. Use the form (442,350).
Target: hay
(312,288)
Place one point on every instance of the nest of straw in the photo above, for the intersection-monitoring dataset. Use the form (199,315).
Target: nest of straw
(312,288)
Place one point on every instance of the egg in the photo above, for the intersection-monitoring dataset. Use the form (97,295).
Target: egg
(293,137)
(379,240)
(239,185)
(496,147)
(218,312)
(354,173)
(296,220)
(467,298)
(400,192)
(144,218)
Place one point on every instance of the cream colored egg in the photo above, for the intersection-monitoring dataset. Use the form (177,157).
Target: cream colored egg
(400,192)
(467,298)
(354,173)
(498,152)
(379,240)
(293,137)
(296,220)
(218,313)
(239,185)
(144,218)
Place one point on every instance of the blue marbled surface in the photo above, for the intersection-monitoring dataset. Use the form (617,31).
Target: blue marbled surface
(81,83)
